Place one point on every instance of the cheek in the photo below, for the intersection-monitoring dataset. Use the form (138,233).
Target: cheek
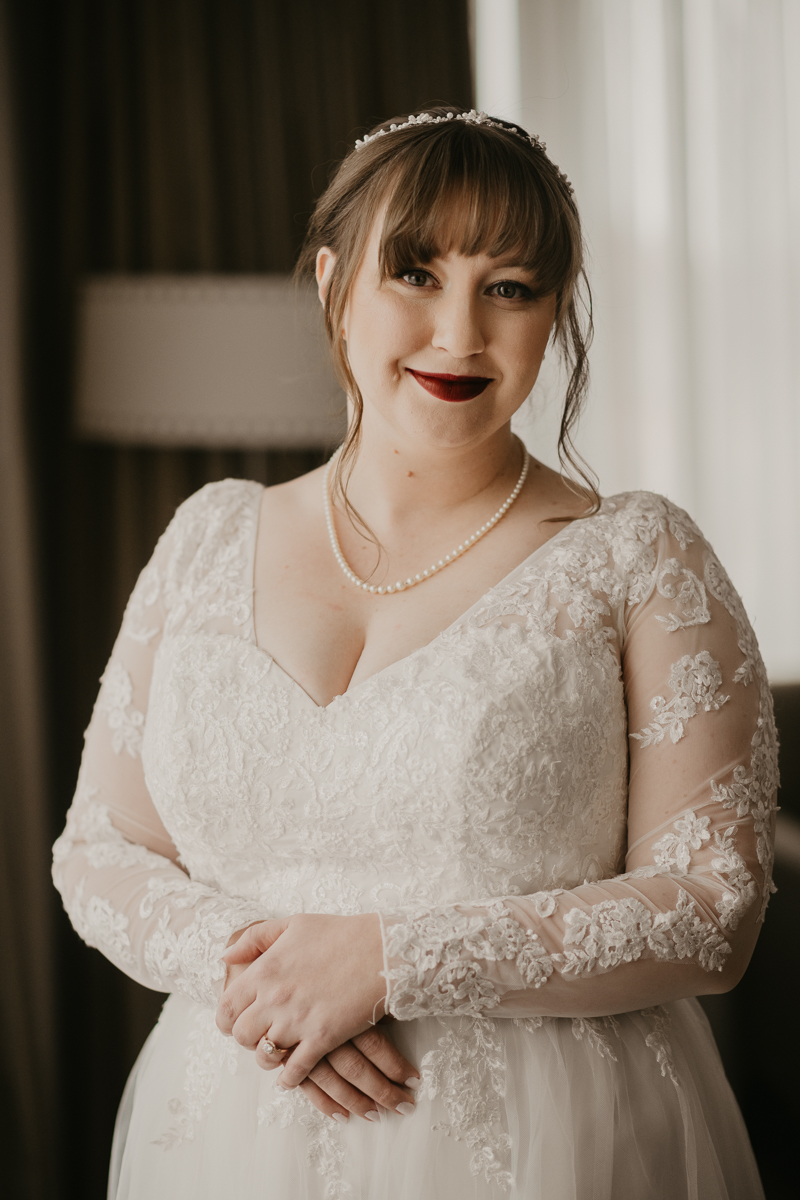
(380,334)
(524,351)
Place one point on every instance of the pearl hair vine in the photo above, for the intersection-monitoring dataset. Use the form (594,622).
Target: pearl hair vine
(473,117)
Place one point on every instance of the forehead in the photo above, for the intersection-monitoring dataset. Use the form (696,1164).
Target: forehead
(452,222)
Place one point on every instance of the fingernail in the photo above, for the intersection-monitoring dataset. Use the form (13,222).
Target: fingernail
(405,1108)
(372,1115)
(413,1083)
(342,1118)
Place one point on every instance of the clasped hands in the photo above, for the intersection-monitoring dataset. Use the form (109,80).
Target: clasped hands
(312,984)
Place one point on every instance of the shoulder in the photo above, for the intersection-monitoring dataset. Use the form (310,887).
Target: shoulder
(217,512)
(681,573)
(641,536)
(296,499)
(224,501)
(216,525)
(648,517)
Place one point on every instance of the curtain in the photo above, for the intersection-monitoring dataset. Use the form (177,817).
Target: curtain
(27,1030)
(165,135)
(678,122)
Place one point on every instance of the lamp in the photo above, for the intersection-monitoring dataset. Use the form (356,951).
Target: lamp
(222,361)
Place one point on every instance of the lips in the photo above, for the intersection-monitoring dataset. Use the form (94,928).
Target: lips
(451,387)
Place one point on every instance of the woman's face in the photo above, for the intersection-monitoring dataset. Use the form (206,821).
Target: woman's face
(446,352)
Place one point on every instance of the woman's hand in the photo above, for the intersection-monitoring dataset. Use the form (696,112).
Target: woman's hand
(313,982)
(363,1076)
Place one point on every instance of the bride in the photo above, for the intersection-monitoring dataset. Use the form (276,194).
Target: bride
(432,787)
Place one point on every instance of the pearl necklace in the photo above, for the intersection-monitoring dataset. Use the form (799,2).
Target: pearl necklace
(434,568)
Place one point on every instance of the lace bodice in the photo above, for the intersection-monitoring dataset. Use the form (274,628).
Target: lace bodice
(562,805)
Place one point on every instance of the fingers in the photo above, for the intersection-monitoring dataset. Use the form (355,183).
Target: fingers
(358,1074)
(376,1046)
(248,1027)
(301,1063)
(339,1090)
(324,1102)
(268,1055)
(233,974)
(234,1000)
(254,941)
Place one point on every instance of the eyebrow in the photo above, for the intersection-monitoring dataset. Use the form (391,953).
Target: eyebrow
(501,262)
(507,261)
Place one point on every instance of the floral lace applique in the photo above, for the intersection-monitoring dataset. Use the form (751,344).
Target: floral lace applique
(467,1071)
(752,790)
(125,722)
(453,945)
(209,573)
(617,931)
(87,820)
(208,1055)
(658,1041)
(691,595)
(545,902)
(721,588)
(731,871)
(696,681)
(137,621)
(324,1153)
(650,515)
(190,959)
(100,925)
(532,1024)
(675,849)
(596,1030)
(445,939)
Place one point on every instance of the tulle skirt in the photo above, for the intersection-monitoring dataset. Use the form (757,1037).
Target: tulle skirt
(634,1107)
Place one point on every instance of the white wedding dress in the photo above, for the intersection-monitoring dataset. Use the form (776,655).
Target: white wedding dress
(606,699)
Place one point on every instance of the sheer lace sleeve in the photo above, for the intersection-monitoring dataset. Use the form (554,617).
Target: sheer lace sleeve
(115,865)
(683,918)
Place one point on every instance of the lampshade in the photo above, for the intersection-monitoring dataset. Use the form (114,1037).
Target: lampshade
(224,361)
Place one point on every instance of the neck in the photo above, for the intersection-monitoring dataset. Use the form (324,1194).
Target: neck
(396,482)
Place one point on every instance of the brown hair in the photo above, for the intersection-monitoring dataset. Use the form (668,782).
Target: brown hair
(485,189)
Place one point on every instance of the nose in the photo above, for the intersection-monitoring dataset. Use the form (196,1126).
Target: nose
(457,324)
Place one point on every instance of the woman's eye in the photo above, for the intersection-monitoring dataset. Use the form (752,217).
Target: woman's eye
(415,278)
(509,289)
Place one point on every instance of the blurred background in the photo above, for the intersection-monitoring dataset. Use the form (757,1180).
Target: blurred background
(159,160)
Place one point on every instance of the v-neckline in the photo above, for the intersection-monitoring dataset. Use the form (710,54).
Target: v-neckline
(352,688)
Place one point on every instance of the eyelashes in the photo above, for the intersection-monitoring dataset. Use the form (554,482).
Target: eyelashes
(522,289)
(500,289)
(420,274)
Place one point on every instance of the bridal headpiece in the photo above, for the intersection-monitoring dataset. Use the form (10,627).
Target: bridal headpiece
(470,118)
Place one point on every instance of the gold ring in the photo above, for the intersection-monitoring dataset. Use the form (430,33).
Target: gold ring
(269,1048)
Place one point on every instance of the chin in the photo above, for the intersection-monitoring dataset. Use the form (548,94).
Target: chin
(454,425)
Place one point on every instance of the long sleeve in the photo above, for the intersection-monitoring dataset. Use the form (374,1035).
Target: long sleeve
(683,918)
(115,865)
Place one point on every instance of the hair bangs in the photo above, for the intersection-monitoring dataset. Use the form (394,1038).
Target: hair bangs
(455,193)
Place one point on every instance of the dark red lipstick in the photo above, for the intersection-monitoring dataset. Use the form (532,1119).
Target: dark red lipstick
(450,387)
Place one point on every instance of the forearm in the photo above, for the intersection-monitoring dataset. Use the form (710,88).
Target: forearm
(141,910)
(603,948)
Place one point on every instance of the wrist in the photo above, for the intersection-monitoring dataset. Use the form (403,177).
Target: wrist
(371,940)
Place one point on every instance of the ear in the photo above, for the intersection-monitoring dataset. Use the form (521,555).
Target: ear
(326,261)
